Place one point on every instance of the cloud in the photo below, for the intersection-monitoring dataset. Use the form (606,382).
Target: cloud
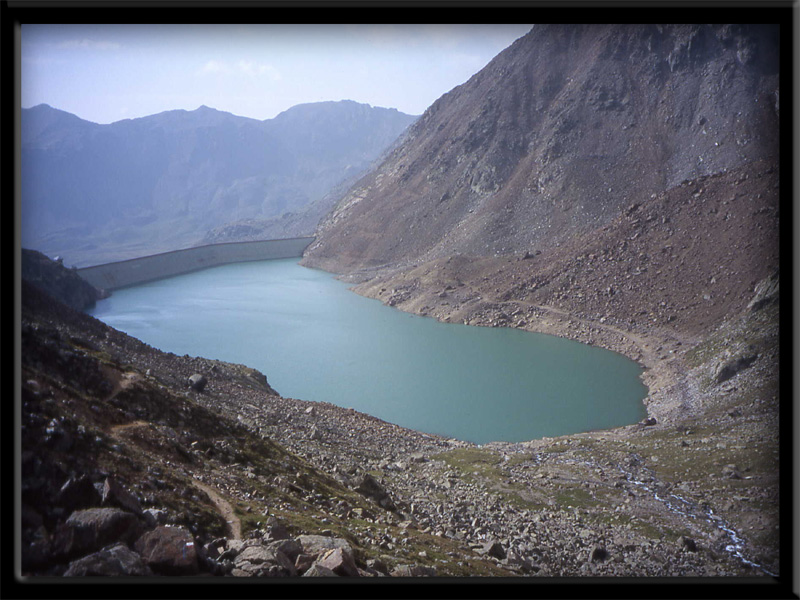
(88,44)
(246,67)
(252,68)
(215,66)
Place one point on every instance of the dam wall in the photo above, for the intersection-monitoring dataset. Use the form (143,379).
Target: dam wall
(111,276)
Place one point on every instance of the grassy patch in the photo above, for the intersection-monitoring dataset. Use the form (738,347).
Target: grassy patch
(470,460)
(574,497)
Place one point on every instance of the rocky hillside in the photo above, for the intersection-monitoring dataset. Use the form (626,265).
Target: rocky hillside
(556,136)
(140,462)
(617,185)
(95,193)
(680,272)
(64,284)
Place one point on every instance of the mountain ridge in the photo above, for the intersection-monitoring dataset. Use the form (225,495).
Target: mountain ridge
(682,277)
(556,135)
(96,193)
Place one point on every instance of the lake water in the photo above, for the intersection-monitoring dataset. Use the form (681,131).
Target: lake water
(315,339)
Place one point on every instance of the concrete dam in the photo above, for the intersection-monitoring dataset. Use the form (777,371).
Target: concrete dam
(111,276)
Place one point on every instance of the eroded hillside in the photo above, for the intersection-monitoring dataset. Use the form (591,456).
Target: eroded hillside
(132,466)
(563,130)
(567,200)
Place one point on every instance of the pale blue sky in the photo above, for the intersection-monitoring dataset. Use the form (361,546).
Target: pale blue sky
(104,73)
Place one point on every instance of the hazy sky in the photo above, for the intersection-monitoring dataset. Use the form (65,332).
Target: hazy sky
(104,73)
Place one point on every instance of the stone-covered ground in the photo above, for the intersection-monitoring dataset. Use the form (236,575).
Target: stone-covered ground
(125,466)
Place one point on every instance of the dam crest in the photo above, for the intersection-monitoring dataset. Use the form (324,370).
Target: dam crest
(124,273)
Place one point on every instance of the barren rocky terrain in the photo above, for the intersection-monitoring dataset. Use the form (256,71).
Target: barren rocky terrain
(111,424)
(679,271)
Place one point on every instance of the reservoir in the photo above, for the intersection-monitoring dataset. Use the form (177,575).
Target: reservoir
(316,340)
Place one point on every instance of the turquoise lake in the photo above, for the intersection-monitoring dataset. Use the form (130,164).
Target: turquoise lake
(315,339)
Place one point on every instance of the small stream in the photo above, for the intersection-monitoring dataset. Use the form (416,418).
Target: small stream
(680,506)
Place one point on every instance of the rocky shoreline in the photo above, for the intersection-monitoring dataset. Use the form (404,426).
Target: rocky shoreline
(695,496)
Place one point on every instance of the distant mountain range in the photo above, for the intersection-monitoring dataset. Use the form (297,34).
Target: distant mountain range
(94,193)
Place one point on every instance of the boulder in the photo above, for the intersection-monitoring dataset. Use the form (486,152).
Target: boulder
(91,529)
(369,487)
(316,570)
(263,561)
(731,472)
(115,494)
(303,562)
(289,547)
(155,516)
(599,554)
(114,560)
(197,382)
(495,549)
(168,551)
(340,561)
(515,559)
(413,571)
(77,493)
(275,530)
(315,545)
(766,292)
(378,565)
(687,543)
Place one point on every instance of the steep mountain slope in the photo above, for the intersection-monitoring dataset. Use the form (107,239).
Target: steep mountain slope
(561,131)
(681,276)
(61,283)
(94,193)
(616,185)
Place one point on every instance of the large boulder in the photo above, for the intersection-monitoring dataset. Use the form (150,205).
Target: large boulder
(263,561)
(114,560)
(495,549)
(316,570)
(275,530)
(369,487)
(316,545)
(197,382)
(91,529)
(77,493)
(766,292)
(115,494)
(290,547)
(340,561)
(168,551)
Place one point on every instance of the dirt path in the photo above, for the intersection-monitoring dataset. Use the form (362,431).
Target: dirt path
(115,430)
(224,508)
(640,342)
(222,505)
(122,382)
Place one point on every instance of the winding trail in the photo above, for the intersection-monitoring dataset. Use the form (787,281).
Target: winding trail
(637,340)
(225,509)
(234,524)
